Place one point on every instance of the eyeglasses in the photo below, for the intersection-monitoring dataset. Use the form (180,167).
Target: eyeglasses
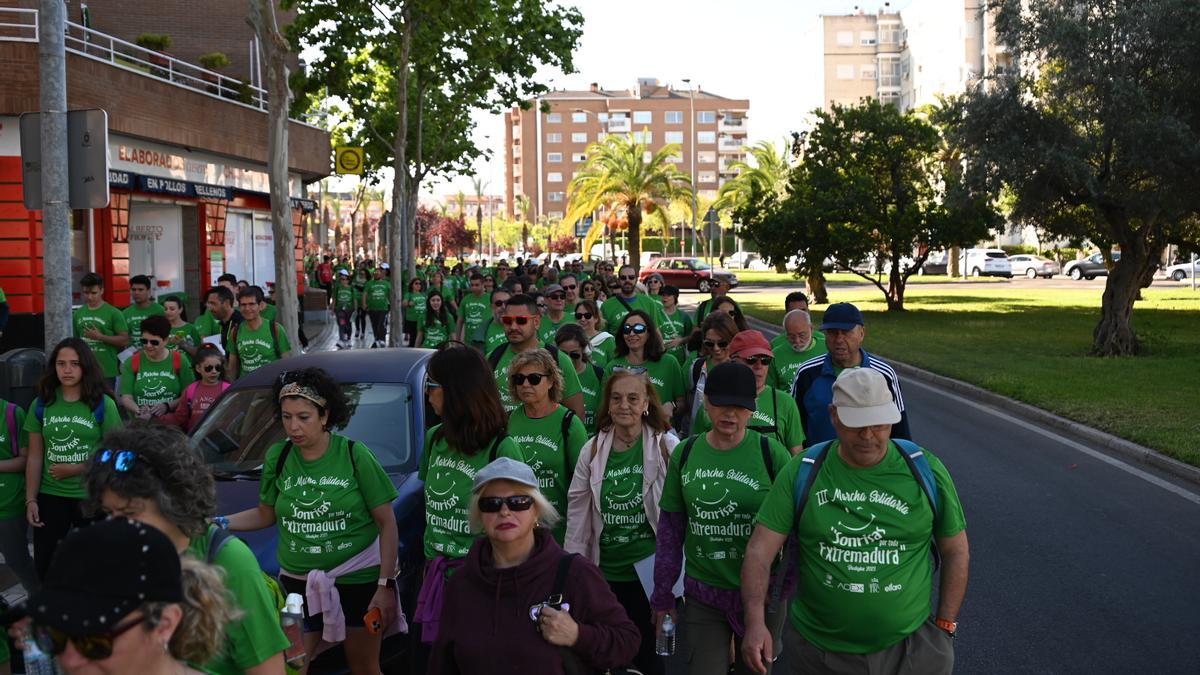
(633,328)
(514,503)
(758,359)
(95,647)
(583,316)
(575,356)
(152,342)
(557,296)
(520,319)
(541,305)
(719,344)
(430,385)
(570,287)
(627,277)
(534,379)
(499,303)
(733,313)
(212,368)
(121,460)
(653,281)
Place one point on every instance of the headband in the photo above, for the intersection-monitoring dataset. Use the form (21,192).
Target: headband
(297,389)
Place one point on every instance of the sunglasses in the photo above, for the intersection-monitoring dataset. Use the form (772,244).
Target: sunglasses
(534,379)
(633,328)
(570,287)
(212,368)
(514,503)
(583,316)
(95,647)
(557,296)
(719,344)
(499,303)
(153,342)
(758,359)
(520,319)
(121,460)
(575,356)
(430,384)
(628,277)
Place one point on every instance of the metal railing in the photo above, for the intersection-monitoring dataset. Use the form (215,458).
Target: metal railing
(18,25)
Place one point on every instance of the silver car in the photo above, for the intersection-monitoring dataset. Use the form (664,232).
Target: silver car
(1033,266)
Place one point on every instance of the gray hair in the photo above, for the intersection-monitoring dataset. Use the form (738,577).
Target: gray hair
(548,516)
(794,313)
(538,357)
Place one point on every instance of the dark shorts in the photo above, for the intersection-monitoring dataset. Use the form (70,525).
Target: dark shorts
(355,598)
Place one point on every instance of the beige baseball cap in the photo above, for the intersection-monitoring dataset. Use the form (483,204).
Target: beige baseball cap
(863,399)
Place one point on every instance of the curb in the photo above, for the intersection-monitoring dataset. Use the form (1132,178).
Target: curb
(1100,439)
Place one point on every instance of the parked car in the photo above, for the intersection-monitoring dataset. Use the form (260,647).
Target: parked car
(1090,267)
(881,264)
(745,260)
(987,262)
(385,389)
(937,263)
(1182,271)
(688,273)
(1033,266)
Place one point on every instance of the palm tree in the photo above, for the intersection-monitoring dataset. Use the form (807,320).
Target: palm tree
(479,184)
(621,172)
(524,205)
(768,173)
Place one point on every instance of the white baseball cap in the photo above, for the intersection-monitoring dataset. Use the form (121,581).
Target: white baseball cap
(862,399)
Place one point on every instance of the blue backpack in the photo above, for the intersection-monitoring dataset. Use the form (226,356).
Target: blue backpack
(39,410)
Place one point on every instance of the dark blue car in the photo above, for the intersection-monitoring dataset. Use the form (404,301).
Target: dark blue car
(385,391)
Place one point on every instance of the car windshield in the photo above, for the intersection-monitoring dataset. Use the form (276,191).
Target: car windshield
(234,437)
(700,265)
(997,254)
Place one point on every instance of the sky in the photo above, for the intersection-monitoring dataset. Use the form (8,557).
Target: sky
(765,50)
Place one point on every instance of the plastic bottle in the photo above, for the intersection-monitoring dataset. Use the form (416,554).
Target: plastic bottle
(665,644)
(292,619)
(37,661)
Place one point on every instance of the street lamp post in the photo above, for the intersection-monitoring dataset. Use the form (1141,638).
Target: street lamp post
(692,143)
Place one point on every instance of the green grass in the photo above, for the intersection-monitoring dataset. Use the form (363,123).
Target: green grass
(1031,345)
(777,279)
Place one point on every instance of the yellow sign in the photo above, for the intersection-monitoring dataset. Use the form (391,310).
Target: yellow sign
(348,160)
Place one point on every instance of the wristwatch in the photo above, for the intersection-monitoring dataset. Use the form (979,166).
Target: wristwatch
(387,581)
(950,627)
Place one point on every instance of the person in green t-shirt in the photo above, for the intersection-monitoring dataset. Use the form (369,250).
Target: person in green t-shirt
(570,340)
(435,330)
(331,500)
(521,322)
(556,315)
(184,336)
(346,300)
(254,342)
(102,326)
(626,300)
(863,559)
(549,433)
(797,344)
(66,422)
(127,481)
(602,343)
(641,349)
(143,306)
(359,280)
(714,487)
(490,335)
(473,310)
(377,299)
(415,304)
(677,328)
(14,449)
(153,379)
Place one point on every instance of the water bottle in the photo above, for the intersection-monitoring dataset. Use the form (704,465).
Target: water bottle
(665,644)
(291,619)
(37,661)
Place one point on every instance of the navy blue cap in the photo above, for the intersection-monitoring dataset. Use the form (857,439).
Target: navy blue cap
(841,316)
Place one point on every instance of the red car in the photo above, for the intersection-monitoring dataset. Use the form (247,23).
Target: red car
(687,273)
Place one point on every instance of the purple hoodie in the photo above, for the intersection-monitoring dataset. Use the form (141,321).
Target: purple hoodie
(485,624)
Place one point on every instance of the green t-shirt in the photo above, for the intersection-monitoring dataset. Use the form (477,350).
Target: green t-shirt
(134,316)
(156,381)
(720,492)
(677,325)
(345,297)
(614,311)
(592,386)
(865,575)
(627,536)
(257,348)
(493,337)
(379,295)
(475,312)
(548,328)
(109,321)
(255,636)
(449,477)
(187,335)
(70,434)
(207,325)
(776,415)
(12,484)
(269,311)
(420,305)
(664,373)
(602,351)
(788,361)
(551,455)
(435,334)
(324,506)
(570,378)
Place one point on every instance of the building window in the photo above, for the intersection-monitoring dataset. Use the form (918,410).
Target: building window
(675,158)
(889,34)
(889,73)
(643,117)
(706,137)
(706,117)
(706,157)
(554,215)
(646,137)
(554,177)
(579,157)
(553,118)
(867,72)
(867,38)
(555,196)
(706,177)
(603,117)
(845,71)
(554,138)
(673,117)
(601,136)
(579,137)
(553,156)
(579,117)
(845,38)
(674,137)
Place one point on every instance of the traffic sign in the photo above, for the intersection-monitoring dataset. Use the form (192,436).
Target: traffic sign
(712,224)
(348,160)
(582,226)
(87,159)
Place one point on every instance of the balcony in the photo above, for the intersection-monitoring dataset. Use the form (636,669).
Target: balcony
(731,124)
(620,125)
(730,144)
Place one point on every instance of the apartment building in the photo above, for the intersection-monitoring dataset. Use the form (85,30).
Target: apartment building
(862,57)
(547,144)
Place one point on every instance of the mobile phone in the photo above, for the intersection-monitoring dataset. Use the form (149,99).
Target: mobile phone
(374,621)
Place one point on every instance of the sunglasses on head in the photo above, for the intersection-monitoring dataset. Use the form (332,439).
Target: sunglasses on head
(95,647)
(121,460)
(583,316)
(633,328)
(719,344)
(514,503)
(534,378)
(153,342)
(520,319)
(758,359)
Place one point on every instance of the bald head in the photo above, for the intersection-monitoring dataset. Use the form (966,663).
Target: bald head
(797,324)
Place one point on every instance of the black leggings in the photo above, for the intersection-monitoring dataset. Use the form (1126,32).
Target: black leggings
(379,323)
(632,597)
(360,321)
(59,516)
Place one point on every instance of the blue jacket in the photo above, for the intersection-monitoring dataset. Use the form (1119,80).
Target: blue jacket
(813,391)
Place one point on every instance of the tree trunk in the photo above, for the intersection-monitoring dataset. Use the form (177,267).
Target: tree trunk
(634,214)
(818,294)
(275,48)
(1114,335)
(400,197)
(895,293)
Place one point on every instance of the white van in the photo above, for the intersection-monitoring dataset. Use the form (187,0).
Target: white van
(987,262)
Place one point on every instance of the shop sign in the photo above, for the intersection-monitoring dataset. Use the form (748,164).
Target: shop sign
(120,179)
(304,205)
(179,188)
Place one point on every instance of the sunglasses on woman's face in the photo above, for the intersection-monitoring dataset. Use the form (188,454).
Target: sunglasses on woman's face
(583,316)
(719,344)
(575,356)
(633,329)
(534,379)
(153,342)
(758,359)
(95,647)
(514,503)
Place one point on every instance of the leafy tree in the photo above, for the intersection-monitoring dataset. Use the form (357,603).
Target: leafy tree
(1097,136)
(563,244)
(451,232)
(617,173)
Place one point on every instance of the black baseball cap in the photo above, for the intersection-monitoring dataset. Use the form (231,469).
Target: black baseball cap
(731,384)
(102,573)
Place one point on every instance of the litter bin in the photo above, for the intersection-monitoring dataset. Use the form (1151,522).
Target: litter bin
(20,370)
